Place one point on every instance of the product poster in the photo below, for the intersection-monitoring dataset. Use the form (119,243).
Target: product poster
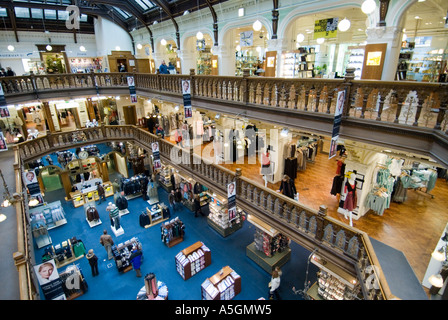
(231,199)
(2,97)
(132,92)
(4,112)
(373,58)
(3,145)
(30,180)
(186,92)
(49,281)
(326,28)
(333,147)
(337,122)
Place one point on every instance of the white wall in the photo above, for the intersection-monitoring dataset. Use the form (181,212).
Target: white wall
(110,35)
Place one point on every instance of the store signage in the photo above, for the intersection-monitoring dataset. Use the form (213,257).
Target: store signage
(2,97)
(246,38)
(3,145)
(186,92)
(156,155)
(326,28)
(131,85)
(337,122)
(31,183)
(231,200)
(373,58)
(49,280)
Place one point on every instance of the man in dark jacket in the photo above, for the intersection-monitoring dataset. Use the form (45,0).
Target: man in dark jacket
(163,69)
(136,260)
(100,189)
(93,261)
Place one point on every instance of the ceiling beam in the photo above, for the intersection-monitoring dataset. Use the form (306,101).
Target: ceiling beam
(164,6)
(12,18)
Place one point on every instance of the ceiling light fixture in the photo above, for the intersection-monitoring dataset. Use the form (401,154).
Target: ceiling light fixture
(344,25)
(163,42)
(117,48)
(49,47)
(199,35)
(82,48)
(241,12)
(139,46)
(368,6)
(11,47)
(320,40)
(257,25)
(300,37)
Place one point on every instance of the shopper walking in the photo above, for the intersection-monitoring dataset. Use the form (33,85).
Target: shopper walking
(274,285)
(93,261)
(100,190)
(177,197)
(116,186)
(288,187)
(197,206)
(107,242)
(172,200)
(136,260)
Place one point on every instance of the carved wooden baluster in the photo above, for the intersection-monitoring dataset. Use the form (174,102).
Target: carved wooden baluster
(297,91)
(307,94)
(399,106)
(364,105)
(420,102)
(440,116)
(318,93)
(381,106)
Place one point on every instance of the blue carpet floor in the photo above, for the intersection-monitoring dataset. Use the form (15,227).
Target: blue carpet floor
(159,259)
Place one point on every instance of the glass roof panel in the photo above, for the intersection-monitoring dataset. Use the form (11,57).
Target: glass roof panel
(123,13)
(3,12)
(22,12)
(145,4)
(37,13)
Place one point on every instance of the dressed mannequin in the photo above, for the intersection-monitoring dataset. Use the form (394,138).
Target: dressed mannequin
(266,166)
(351,200)
(152,192)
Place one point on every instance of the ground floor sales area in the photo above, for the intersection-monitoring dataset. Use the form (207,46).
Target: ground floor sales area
(181,252)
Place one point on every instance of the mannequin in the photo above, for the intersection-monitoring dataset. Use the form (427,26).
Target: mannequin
(266,166)
(351,201)
(152,193)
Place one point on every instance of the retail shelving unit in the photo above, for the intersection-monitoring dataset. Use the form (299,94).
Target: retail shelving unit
(172,232)
(165,178)
(224,285)
(219,219)
(263,238)
(122,254)
(355,59)
(299,63)
(333,283)
(155,214)
(193,259)
(245,62)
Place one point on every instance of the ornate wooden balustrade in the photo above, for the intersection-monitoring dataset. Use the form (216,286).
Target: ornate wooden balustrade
(400,102)
(349,247)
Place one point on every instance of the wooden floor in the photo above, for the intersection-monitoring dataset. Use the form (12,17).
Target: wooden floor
(413,227)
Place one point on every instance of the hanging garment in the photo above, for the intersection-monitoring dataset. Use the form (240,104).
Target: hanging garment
(337,185)
(291,167)
(400,192)
(351,200)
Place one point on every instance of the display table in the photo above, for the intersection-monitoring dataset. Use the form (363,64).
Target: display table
(268,263)
(313,292)
(193,259)
(224,285)
(162,292)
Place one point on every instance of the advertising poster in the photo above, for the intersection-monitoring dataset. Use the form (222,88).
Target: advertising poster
(30,180)
(3,145)
(337,122)
(186,93)
(231,199)
(49,281)
(326,28)
(131,85)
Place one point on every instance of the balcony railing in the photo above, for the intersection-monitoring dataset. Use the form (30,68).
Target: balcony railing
(349,244)
(400,102)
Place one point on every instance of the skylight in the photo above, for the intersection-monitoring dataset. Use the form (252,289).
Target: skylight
(145,4)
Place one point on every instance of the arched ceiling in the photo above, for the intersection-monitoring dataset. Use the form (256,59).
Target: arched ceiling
(128,14)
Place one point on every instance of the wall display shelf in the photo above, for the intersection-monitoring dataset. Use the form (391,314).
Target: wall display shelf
(173,232)
(52,213)
(204,63)
(270,249)
(299,63)
(333,283)
(219,219)
(165,178)
(73,274)
(224,285)
(122,254)
(193,259)
(132,187)
(40,231)
(245,62)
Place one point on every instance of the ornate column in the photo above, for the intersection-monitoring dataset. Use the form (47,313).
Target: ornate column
(47,114)
(278,45)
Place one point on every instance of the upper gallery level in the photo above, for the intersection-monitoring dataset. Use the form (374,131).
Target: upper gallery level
(404,117)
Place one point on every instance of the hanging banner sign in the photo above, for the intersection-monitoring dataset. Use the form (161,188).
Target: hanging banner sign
(131,85)
(186,92)
(2,97)
(3,145)
(337,123)
(30,179)
(231,199)
(326,28)
(49,280)
(156,155)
